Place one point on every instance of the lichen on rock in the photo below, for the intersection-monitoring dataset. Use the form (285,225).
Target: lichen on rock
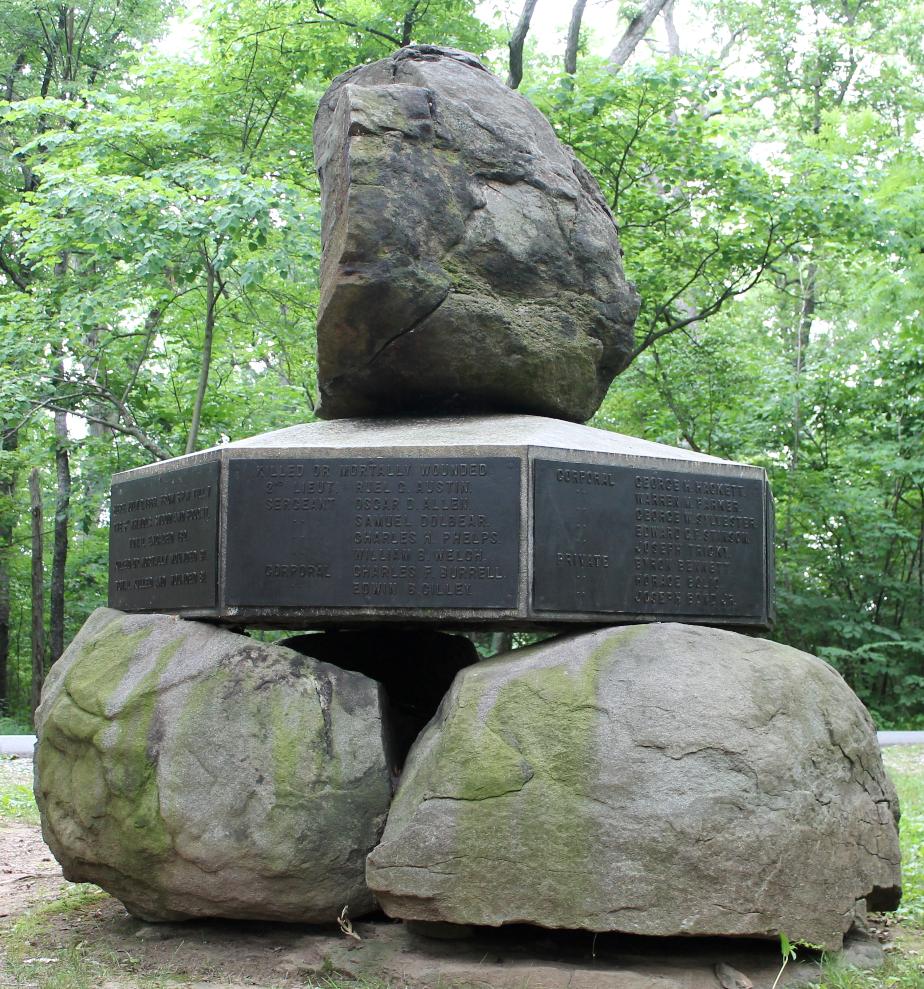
(660,780)
(191,771)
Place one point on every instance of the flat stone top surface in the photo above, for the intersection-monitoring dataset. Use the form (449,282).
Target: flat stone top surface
(498,430)
(447,433)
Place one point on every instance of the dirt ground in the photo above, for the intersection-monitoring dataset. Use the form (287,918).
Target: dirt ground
(28,873)
(224,954)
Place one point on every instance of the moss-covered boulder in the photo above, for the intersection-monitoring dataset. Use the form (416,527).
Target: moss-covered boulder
(660,780)
(191,771)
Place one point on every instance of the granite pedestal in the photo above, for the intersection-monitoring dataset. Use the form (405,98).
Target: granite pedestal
(490,522)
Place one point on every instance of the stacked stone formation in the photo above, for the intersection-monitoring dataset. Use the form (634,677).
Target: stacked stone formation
(658,779)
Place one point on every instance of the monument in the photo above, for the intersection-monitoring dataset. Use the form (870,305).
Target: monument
(470,272)
(652,769)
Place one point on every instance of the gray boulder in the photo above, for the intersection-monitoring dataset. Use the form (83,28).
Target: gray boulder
(470,262)
(191,771)
(658,780)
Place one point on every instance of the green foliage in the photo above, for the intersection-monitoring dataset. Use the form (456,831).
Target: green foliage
(16,799)
(904,764)
(688,222)
(17,802)
(14,726)
(901,971)
(788,951)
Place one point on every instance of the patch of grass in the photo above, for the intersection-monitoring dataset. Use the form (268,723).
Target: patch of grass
(32,961)
(79,967)
(899,972)
(66,969)
(16,800)
(906,767)
(361,983)
(14,726)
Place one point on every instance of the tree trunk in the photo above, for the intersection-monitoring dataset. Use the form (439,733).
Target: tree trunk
(210,300)
(673,38)
(38,591)
(517,40)
(800,344)
(91,364)
(574,36)
(16,70)
(803,330)
(407,27)
(9,442)
(637,29)
(501,642)
(62,519)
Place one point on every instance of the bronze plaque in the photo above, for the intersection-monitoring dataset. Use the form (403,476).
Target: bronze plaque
(402,532)
(163,540)
(637,541)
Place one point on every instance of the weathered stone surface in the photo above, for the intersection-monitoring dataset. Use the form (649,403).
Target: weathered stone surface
(415,666)
(191,771)
(470,261)
(661,779)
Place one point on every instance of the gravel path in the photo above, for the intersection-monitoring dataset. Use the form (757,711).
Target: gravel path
(21,745)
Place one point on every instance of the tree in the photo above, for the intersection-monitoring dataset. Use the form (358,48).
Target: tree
(38,591)
(574,36)
(48,50)
(698,229)
(813,373)
(159,246)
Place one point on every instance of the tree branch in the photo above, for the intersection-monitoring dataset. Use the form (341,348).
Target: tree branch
(151,322)
(13,275)
(517,40)
(410,20)
(673,38)
(574,36)
(357,27)
(637,29)
(729,292)
(128,428)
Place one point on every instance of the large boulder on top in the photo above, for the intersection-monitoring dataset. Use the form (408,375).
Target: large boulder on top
(470,262)
(191,771)
(659,780)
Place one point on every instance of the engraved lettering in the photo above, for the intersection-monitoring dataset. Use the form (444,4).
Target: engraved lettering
(392,532)
(631,539)
(164,533)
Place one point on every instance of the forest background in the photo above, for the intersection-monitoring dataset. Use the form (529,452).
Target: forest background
(764,159)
